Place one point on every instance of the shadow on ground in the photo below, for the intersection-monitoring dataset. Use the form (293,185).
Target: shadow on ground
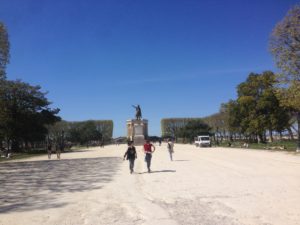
(39,184)
(181,160)
(159,171)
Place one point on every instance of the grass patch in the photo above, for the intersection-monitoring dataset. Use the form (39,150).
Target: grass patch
(38,152)
(24,155)
(285,145)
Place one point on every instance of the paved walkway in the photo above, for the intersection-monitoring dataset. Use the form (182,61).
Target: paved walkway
(207,186)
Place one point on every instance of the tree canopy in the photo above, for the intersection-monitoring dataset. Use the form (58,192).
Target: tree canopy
(256,110)
(193,128)
(24,113)
(4,50)
(285,47)
(259,107)
(84,132)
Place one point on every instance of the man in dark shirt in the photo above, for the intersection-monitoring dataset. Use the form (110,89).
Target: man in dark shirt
(148,153)
(130,155)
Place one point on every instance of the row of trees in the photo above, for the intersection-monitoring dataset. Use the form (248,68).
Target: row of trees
(267,102)
(91,132)
(185,129)
(26,118)
(256,113)
(170,127)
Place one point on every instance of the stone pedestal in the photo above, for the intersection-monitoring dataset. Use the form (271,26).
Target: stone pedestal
(137,130)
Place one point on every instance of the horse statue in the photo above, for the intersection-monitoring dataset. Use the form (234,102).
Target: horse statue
(138,113)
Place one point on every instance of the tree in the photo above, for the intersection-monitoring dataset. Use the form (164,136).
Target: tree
(24,113)
(217,123)
(105,128)
(193,128)
(285,47)
(232,117)
(4,50)
(258,107)
(171,126)
(84,132)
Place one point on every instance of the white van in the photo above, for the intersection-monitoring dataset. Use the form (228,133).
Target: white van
(203,141)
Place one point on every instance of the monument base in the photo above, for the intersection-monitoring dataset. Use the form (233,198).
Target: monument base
(138,140)
(137,130)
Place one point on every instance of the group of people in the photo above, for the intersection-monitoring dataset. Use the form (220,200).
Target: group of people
(149,149)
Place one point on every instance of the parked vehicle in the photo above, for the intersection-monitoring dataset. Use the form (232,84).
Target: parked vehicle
(203,141)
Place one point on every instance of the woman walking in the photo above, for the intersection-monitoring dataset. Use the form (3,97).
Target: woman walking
(148,153)
(171,148)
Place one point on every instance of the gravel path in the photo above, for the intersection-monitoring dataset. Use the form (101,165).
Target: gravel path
(205,186)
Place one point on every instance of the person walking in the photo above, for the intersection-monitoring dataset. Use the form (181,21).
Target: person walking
(148,150)
(130,155)
(170,145)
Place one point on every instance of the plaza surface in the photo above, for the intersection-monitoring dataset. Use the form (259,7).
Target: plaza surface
(205,186)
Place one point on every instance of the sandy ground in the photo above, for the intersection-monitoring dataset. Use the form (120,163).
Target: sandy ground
(207,186)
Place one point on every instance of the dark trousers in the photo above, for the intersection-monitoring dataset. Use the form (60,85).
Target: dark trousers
(131,164)
(171,155)
(148,160)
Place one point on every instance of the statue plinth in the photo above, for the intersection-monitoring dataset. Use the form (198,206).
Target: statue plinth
(137,130)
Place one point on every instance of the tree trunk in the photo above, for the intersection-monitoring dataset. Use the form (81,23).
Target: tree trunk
(260,138)
(290,133)
(271,136)
(26,145)
(280,135)
(1,144)
(15,146)
(8,148)
(298,122)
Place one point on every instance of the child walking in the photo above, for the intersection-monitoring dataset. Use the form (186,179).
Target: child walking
(130,155)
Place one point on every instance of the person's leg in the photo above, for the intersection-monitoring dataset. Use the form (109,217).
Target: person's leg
(131,163)
(171,157)
(148,159)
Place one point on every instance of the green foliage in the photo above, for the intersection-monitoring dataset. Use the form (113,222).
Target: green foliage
(258,107)
(24,113)
(170,127)
(193,128)
(83,133)
(278,145)
(285,47)
(256,110)
(4,50)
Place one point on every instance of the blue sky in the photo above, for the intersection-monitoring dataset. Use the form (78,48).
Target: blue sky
(175,58)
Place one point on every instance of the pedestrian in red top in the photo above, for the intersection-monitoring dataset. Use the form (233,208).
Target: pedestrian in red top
(148,150)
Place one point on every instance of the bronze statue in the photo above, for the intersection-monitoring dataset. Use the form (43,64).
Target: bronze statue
(138,114)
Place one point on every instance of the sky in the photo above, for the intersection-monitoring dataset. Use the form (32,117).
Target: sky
(176,58)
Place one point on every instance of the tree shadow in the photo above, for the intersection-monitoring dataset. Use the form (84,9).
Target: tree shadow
(38,184)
